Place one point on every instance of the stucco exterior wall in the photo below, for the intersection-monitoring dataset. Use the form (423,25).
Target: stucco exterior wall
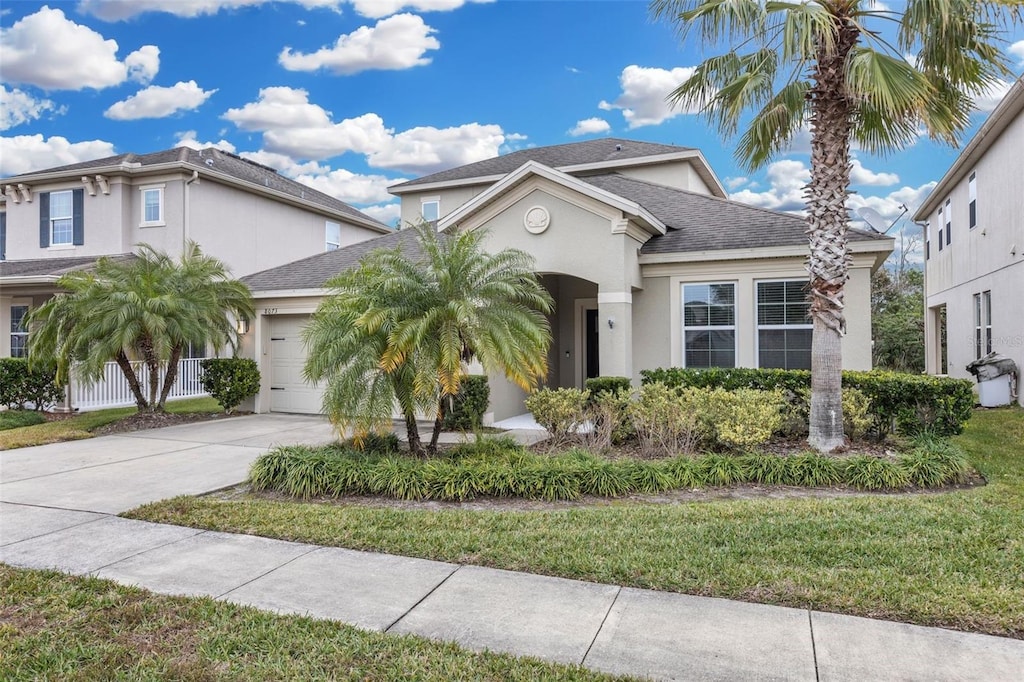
(679,174)
(989,257)
(450,200)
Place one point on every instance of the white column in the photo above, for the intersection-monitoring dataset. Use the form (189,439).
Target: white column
(615,317)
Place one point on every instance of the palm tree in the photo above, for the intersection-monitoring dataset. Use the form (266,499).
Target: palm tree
(833,65)
(401,327)
(149,307)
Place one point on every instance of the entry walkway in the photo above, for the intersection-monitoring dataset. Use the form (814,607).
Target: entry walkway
(56,506)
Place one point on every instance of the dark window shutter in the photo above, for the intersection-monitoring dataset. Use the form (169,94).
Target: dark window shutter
(44,220)
(3,236)
(78,215)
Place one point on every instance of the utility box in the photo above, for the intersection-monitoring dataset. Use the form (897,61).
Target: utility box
(996,376)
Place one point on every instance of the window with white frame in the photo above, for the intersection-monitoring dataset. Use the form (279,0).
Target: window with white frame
(949,222)
(62,223)
(152,206)
(709,325)
(982,324)
(972,198)
(430,209)
(19,332)
(783,325)
(941,227)
(332,236)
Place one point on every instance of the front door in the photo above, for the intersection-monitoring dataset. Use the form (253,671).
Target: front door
(592,349)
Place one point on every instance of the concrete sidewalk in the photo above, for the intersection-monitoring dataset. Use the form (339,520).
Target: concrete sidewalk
(52,517)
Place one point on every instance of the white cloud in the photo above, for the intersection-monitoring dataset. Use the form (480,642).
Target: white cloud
(187,138)
(398,42)
(859,175)
(117,10)
(590,126)
(376,9)
(157,102)
(285,164)
(644,92)
(50,51)
(990,99)
(17,107)
(350,187)
(295,128)
(736,183)
(1017,50)
(385,213)
(26,153)
(143,63)
(426,149)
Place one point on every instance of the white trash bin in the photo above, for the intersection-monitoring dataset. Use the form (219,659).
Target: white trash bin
(994,392)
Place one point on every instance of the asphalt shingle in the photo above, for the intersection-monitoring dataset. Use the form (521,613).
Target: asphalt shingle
(41,267)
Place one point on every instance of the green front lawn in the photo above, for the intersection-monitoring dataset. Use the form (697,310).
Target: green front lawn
(953,559)
(80,426)
(58,627)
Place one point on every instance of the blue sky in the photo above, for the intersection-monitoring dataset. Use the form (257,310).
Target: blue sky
(350,96)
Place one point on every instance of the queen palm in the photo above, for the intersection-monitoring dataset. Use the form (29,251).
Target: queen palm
(833,65)
(402,326)
(150,308)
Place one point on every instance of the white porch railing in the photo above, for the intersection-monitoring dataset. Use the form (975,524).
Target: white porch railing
(113,391)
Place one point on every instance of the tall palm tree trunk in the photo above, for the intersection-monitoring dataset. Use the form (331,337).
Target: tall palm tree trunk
(827,218)
(412,432)
(171,377)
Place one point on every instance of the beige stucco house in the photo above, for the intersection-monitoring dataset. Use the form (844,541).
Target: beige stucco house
(649,262)
(245,214)
(974,247)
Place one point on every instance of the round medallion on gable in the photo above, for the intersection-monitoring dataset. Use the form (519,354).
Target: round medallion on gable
(536,219)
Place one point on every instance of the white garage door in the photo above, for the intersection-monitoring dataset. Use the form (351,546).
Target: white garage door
(288,391)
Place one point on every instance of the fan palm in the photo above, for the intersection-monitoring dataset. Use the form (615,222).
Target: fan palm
(148,308)
(401,327)
(831,64)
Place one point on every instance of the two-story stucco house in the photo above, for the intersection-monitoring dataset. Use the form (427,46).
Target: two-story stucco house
(649,262)
(245,214)
(974,247)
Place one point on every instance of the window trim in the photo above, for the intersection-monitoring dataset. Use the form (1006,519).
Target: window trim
(982,324)
(949,220)
(54,244)
(942,224)
(972,200)
(733,327)
(327,243)
(758,326)
(23,333)
(430,200)
(161,221)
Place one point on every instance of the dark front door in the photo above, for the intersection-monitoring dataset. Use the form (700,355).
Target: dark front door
(590,340)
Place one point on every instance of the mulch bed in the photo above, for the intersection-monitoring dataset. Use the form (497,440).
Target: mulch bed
(150,420)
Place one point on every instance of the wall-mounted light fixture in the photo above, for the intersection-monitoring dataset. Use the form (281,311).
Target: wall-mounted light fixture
(611,323)
(243,326)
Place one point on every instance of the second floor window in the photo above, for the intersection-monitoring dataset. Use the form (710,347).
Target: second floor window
(332,236)
(949,221)
(972,197)
(152,206)
(430,210)
(62,220)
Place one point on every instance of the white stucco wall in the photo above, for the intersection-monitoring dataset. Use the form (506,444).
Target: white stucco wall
(450,199)
(679,174)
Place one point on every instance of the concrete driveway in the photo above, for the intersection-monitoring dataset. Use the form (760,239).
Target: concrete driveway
(113,474)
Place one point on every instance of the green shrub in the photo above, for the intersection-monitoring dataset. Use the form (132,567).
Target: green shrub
(14,419)
(796,413)
(767,469)
(22,383)
(720,470)
(465,411)
(598,385)
(935,462)
(875,473)
(907,404)
(559,410)
(665,422)
(745,417)
(608,413)
(377,443)
(814,470)
(856,413)
(229,381)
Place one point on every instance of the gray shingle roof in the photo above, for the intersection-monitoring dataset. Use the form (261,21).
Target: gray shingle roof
(556,156)
(39,267)
(698,222)
(312,272)
(223,162)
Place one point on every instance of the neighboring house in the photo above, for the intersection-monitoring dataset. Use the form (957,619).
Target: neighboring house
(650,265)
(245,214)
(974,247)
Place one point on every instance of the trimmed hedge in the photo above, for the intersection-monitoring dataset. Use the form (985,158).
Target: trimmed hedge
(469,405)
(907,404)
(598,385)
(229,381)
(503,469)
(21,383)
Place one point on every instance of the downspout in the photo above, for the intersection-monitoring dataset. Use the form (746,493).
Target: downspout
(185,231)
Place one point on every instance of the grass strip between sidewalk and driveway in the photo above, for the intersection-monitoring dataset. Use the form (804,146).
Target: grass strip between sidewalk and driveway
(81,425)
(58,627)
(953,559)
